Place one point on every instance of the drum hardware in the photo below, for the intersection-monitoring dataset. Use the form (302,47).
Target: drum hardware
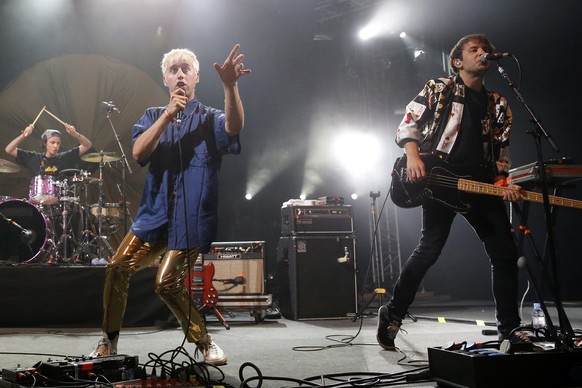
(66,239)
(101,157)
(8,167)
(83,252)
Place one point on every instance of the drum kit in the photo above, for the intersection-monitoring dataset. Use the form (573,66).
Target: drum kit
(57,223)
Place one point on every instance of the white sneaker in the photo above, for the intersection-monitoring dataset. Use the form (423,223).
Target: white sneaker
(105,347)
(212,353)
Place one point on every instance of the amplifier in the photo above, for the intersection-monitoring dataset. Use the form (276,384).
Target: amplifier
(316,220)
(239,267)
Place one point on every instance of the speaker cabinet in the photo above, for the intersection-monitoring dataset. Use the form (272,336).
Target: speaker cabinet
(317,277)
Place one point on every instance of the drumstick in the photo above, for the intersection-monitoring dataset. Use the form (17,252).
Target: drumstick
(39,113)
(59,120)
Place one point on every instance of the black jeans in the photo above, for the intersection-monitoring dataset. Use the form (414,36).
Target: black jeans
(488,217)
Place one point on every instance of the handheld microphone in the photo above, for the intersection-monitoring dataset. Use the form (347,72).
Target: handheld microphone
(110,106)
(179,117)
(486,57)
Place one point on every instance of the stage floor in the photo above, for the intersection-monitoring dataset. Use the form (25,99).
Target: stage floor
(282,348)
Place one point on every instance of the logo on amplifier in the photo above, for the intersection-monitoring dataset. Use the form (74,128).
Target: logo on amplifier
(228,256)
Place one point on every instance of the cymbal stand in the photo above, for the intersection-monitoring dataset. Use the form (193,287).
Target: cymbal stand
(87,236)
(110,108)
(100,239)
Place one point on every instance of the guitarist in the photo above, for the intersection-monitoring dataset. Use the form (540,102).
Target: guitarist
(458,120)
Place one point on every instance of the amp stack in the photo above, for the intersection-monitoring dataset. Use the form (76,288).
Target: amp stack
(316,257)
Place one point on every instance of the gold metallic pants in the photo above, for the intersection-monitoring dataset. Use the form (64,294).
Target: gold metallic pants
(134,255)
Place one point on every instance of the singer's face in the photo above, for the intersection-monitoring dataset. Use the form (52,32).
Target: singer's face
(53,145)
(182,75)
(471,61)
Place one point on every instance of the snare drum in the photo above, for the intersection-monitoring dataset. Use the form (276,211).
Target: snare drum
(44,189)
(15,245)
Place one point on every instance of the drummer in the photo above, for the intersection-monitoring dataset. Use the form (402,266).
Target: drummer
(52,160)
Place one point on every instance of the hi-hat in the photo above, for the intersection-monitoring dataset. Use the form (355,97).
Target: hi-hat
(70,172)
(100,157)
(9,167)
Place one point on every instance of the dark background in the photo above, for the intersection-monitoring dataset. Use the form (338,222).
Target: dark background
(72,55)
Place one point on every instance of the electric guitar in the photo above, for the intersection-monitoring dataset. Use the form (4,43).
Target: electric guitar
(445,186)
(199,284)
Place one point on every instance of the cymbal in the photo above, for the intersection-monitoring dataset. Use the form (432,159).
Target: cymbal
(100,157)
(70,172)
(8,166)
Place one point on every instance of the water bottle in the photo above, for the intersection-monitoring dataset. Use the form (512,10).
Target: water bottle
(538,318)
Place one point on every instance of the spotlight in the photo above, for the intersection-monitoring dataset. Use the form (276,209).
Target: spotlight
(403,34)
(302,197)
(354,196)
(419,55)
(249,196)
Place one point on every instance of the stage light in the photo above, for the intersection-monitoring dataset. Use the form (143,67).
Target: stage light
(302,197)
(354,196)
(403,34)
(357,152)
(419,55)
(249,196)
(369,31)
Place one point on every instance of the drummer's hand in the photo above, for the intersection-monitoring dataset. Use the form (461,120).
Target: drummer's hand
(70,129)
(28,130)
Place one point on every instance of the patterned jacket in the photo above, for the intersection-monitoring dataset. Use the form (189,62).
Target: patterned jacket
(433,120)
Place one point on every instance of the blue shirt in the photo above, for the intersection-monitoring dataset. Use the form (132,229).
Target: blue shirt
(180,196)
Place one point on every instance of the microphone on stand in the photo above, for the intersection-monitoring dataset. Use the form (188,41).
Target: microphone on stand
(487,57)
(110,106)
(346,258)
(26,235)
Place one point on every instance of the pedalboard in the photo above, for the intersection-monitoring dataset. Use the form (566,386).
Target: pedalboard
(486,368)
(59,373)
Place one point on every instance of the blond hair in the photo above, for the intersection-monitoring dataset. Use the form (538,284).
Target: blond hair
(179,55)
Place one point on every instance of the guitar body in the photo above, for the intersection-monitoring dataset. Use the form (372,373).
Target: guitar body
(199,283)
(440,185)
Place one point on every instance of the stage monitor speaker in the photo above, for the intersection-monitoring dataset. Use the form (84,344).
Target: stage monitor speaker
(317,277)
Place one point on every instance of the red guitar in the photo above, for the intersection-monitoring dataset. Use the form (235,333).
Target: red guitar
(199,283)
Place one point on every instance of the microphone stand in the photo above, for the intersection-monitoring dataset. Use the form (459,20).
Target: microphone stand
(565,341)
(110,108)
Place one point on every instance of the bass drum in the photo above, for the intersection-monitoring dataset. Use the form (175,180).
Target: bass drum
(16,246)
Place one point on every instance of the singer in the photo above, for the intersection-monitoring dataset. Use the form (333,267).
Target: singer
(183,142)
(458,119)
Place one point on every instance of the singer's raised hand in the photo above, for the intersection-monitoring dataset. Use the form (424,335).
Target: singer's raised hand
(232,68)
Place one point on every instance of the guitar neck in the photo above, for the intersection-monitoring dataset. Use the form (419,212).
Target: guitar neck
(489,189)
